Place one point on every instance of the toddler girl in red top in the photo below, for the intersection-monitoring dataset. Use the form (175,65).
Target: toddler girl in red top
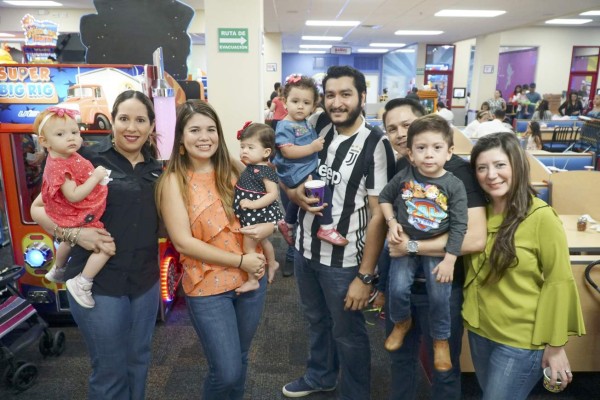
(74,195)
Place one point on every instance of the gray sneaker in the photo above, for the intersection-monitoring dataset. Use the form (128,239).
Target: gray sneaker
(56,274)
(81,290)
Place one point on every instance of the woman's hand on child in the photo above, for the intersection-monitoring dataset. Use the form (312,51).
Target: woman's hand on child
(254,263)
(258,232)
(96,240)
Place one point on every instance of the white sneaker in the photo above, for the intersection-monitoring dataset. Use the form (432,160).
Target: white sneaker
(81,290)
(56,274)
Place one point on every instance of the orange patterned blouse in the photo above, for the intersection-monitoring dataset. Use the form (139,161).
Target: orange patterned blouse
(209,223)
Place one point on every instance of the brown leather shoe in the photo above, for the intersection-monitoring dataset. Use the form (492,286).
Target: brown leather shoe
(441,356)
(396,338)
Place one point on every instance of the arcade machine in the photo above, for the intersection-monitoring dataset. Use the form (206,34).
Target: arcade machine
(25,90)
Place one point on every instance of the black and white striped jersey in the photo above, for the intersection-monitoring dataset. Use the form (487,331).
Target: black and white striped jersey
(354,167)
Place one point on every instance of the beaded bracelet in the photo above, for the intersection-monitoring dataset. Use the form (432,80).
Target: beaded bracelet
(73,241)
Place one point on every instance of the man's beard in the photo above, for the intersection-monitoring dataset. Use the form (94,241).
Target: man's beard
(352,116)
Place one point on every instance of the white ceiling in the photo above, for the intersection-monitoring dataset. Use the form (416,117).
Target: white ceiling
(381,18)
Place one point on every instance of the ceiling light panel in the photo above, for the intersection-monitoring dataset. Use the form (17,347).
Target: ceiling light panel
(332,23)
(311,52)
(470,13)
(415,33)
(568,21)
(315,46)
(33,3)
(387,44)
(591,13)
(332,38)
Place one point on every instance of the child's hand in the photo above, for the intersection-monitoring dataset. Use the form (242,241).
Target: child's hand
(444,271)
(394,232)
(317,144)
(247,204)
(100,173)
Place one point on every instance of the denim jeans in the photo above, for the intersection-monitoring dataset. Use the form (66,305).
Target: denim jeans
(118,335)
(338,338)
(405,361)
(504,372)
(383,267)
(226,324)
(401,277)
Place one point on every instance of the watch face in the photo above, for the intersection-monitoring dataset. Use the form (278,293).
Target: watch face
(412,246)
(366,278)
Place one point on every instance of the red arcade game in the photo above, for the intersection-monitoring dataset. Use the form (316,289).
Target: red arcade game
(25,90)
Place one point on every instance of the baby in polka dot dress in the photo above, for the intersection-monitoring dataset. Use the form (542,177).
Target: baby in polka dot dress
(257,193)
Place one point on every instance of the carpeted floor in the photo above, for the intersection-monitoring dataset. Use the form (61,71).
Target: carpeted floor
(278,356)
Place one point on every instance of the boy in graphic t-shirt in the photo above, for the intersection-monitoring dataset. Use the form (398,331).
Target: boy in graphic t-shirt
(425,201)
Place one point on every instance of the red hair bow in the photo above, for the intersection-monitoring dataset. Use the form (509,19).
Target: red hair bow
(294,78)
(61,112)
(239,133)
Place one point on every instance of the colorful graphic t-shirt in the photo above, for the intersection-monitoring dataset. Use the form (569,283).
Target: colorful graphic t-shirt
(427,207)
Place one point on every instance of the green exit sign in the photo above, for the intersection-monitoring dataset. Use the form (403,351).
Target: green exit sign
(233,40)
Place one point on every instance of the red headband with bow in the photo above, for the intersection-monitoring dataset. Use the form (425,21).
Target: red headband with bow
(294,78)
(239,133)
(61,112)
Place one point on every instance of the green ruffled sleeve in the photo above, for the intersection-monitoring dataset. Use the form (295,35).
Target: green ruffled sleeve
(558,313)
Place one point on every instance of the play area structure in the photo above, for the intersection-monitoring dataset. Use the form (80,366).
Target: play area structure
(25,90)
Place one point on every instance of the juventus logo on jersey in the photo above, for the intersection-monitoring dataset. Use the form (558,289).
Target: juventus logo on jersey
(352,154)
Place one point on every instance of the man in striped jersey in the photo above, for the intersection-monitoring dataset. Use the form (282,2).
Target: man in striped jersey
(334,282)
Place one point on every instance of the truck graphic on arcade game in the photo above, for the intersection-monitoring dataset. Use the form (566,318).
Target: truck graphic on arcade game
(93,99)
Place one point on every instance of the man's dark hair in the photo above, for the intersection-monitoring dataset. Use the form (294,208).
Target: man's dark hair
(532,86)
(339,71)
(277,85)
(430,123)
(414,89)
(441,105)
(416,107)
(499,114)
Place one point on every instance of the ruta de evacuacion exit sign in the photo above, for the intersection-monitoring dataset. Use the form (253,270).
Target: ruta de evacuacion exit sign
(234,40)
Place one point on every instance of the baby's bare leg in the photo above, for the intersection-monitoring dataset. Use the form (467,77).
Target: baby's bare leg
(271,261)
(252,283)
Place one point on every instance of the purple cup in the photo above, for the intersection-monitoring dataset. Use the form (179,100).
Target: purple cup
(315,188)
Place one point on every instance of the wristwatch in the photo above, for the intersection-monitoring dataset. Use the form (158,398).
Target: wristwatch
(367,279)
(412,246)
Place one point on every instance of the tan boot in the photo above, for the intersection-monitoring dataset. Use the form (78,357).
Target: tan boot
(441,355)
(396,338)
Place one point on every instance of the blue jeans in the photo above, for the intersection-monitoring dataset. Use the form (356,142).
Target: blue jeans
(405,361)
(383,267)
(338,338)
(226,324)
(118,335)
(401,277)
(504,372)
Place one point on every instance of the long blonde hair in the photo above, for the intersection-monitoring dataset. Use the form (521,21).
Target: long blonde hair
(226,172)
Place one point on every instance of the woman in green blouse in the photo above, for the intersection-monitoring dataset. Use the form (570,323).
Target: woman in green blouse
(521,301)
